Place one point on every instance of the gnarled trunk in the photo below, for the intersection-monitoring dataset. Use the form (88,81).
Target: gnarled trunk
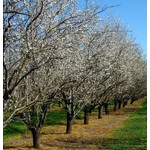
(119,104)
(70,119)
(59,104)
(115,105)
(124,103)
(86,115)
(106,108)
(99,111)
(132,101)
(36,137)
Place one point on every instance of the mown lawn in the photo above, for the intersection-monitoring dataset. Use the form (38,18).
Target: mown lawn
(132,136)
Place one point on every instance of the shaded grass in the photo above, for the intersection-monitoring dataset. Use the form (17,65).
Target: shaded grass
(56,117)
(17,128)
(13,129)
(132,135)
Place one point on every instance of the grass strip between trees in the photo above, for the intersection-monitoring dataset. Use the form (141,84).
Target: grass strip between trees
(133,135)
(17,128)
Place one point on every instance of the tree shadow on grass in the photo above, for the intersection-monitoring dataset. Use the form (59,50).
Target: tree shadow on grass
(121,144)
(14,129)
(72,143)
(129,110)
(9,147)
(53,133)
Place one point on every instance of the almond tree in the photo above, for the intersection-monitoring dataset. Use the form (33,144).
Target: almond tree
(76,69)
(104,52)
(37,41)
(33,36)
(117,61)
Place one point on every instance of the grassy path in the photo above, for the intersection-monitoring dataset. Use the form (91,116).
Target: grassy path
(133,135)
(96,135)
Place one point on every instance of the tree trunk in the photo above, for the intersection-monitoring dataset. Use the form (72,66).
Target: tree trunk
(106,108)
(119,104)
(70,119)
(36,137)
(115,105)
(124,103)
(59,104)
(132,101)
(86,115)
(90,109)
(99,111)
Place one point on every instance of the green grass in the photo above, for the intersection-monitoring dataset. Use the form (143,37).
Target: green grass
(56,117)
(13,129)
(17,128)
(132,136)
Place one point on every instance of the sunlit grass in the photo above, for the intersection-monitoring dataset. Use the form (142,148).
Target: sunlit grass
(132,135)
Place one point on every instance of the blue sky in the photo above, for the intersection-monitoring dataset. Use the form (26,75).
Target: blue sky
(133,14)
